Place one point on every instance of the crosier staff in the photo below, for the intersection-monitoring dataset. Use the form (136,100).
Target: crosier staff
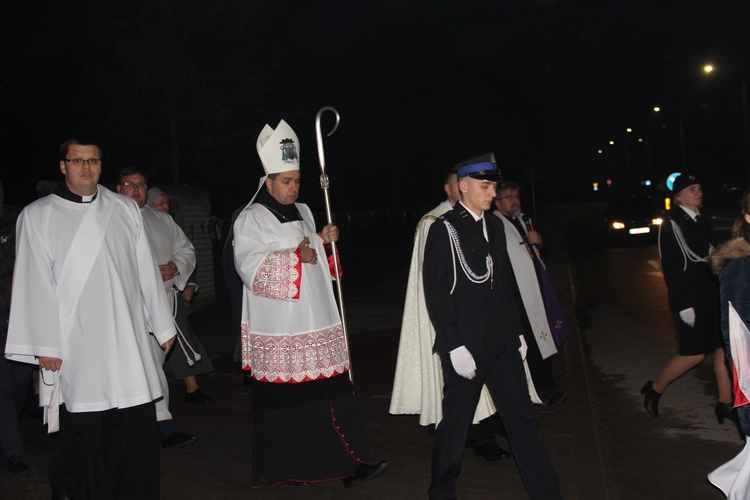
(324,185)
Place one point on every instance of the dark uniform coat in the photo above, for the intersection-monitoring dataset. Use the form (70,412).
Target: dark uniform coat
(685,246)
(481,316)
(689,283)
(469,295)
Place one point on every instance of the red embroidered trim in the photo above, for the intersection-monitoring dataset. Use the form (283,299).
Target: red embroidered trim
(279,275)
(295,358)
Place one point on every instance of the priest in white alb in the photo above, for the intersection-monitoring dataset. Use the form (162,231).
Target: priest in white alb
(176,260)
(86,294)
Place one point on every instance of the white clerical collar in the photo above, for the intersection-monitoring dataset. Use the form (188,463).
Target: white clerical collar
(476,217)
(89,199)
(692,213)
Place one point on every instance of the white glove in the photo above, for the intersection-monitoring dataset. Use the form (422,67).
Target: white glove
(463,362)
(524,348)
(688,316)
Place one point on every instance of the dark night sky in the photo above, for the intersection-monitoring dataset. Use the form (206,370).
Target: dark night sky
(420,86)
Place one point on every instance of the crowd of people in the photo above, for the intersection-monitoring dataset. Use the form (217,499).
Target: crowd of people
(96,294)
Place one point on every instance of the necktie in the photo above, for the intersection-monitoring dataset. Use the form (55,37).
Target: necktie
(482,231)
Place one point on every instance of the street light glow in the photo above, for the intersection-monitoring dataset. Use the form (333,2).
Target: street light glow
(708,68)
(611,143)
(628,130)
(657,109)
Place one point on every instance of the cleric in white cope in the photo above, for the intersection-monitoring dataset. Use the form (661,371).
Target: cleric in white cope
(85,296)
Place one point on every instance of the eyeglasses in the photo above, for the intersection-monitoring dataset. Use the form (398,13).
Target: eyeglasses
(134,184)
(93,162)
(510,197)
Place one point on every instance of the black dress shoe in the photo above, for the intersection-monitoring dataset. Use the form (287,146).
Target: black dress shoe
(650,399)
(490,451)
(17,466)
(725,410)
(177,440)
(197,398)
(365,472)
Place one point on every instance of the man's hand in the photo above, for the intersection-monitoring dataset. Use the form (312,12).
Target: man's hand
(51,364)
(168,271)
(534,238)
(329,233)
(463,362)
(168,345)
(187,294)
(688,316)
(308,254)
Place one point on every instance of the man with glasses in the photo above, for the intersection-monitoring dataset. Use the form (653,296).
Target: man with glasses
(86,293)
(528,287)
(175,257)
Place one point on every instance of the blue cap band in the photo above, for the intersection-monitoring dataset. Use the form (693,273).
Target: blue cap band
(476,167)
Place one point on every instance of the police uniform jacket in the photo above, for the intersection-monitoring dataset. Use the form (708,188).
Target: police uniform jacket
(464,307)
(689,283)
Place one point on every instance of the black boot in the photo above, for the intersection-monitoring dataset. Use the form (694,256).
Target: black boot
(725,410)
(651,399)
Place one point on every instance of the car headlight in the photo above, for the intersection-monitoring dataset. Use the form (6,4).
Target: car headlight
(657,221)
(618,225)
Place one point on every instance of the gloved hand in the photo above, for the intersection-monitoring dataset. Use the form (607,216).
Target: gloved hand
(463,362)
(688,316)
(524,348)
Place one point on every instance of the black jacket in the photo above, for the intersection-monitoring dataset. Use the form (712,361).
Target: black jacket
(689,283)
(483,316)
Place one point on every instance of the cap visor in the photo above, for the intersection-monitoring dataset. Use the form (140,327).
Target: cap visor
(486,175)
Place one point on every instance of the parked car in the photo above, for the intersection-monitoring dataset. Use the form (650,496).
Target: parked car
(635,218)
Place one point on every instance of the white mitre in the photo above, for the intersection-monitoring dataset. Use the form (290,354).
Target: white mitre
(278,150)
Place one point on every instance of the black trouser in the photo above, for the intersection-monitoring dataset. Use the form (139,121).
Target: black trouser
(505,378)
(15,378)
(111,454)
